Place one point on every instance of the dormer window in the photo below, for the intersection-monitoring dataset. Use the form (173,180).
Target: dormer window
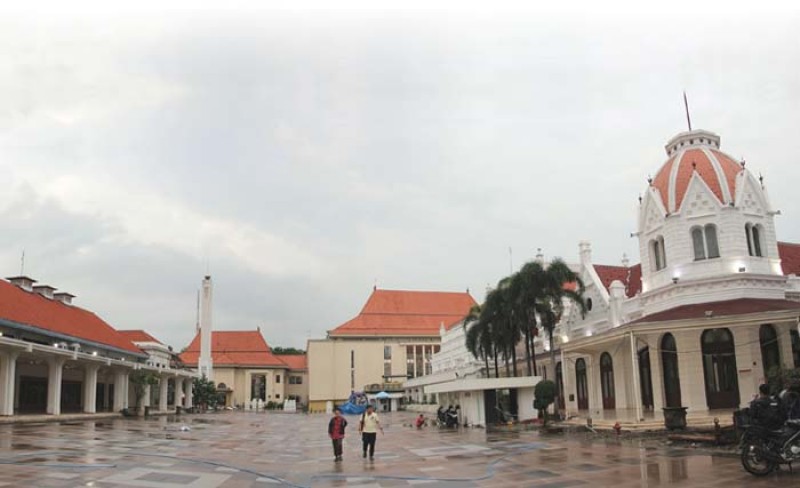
(658,257)
(753,235)
(704,242)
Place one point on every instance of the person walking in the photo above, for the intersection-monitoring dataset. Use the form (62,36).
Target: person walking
(336,432)
(369,427)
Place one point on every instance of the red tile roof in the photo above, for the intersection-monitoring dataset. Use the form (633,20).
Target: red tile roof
(20,307)
(725,308)
(407,313)
(630,276)
(294,361)
(139,336)
(790,258)
(234,348)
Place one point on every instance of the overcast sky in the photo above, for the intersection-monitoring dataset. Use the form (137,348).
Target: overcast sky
(301,155)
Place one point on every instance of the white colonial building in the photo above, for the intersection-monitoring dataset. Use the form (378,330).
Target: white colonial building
(458,379)
(709,311)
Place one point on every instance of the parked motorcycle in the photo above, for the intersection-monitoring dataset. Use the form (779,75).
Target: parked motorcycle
(764,449)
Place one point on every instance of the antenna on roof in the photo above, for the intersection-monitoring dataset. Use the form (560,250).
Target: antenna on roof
(22,264)
(686,105)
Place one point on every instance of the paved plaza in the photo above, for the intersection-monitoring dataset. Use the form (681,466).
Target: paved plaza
(238,449)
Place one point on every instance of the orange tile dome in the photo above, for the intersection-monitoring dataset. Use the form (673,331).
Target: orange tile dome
(696,152)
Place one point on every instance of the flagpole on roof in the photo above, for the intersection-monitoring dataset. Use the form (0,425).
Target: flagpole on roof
(686,105)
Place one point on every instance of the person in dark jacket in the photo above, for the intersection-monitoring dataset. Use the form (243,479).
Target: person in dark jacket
(336,432)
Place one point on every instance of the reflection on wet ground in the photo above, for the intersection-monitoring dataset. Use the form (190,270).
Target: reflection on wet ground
(239,449)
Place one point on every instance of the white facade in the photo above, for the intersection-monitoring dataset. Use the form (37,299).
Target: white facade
(707,239)
(205,365)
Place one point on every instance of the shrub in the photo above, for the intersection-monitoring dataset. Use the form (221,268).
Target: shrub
(544,395)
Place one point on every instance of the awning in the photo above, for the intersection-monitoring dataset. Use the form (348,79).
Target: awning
(477,384)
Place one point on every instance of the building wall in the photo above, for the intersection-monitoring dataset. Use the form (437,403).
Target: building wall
(331,377)
(301,390)
(240,380)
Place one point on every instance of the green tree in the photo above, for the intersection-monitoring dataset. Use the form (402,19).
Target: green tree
(477,337)
(286,351)
(562,288)
(141,379)
(205,393)
(544,395)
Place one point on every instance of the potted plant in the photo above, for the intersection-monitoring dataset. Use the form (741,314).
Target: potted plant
(141,379)
(675,418)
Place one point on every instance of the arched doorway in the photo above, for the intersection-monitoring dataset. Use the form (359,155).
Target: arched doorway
(607,381)
(645,378)
(581,385)
(719,368)
(560,385)
(669,363)
(770,349)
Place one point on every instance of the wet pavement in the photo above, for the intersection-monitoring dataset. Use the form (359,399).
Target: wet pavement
(243,450)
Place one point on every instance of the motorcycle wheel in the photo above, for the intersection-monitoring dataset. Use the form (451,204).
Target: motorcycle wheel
(754,461)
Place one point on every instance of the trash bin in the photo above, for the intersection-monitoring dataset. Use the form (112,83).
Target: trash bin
(147,410)
(178,410)
(675,418)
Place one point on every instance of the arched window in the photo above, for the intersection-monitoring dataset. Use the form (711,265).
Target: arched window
(669,364)
(607,381)
(704,242)
(581,385)
(658,254)
(753,234)
(770,349)
(712,247)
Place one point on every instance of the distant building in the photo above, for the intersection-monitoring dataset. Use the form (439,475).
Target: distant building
(245,369)
(56,357)
(392,339)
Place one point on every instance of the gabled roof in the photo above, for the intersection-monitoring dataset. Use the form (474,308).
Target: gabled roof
(22,308)
(630,276)
(294,361)
(407,313)
(741,306)
(139,336)
(234,348)
(790,258)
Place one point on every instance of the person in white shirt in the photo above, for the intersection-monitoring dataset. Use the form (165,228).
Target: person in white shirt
(369,427)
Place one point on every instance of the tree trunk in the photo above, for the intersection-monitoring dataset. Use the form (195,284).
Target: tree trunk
(533,356)
(528,351)
(486,361)
(514,359)
(505,358)
(496,368)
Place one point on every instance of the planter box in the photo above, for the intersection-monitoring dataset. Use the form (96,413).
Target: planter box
(675,418)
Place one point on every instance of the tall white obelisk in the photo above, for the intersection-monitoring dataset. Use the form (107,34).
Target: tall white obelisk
(205,365)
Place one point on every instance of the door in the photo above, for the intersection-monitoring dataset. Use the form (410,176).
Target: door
(581,385)
(645,379)
(490,406)
(607,381)
(669,366)
(770,350)
(719,368)
(560,385)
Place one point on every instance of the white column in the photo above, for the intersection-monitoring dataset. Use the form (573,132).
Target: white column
(637,393)
(565,383)
(127,389)
(54,377)
(8,368)
(162,399)
(90,388)
(120,384)
(416,373)
(188,387)
(178,391)
(146,397)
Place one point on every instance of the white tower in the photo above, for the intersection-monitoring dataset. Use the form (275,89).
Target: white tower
(206,365)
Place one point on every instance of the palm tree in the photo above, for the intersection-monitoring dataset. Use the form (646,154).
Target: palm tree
(562,286)
(528,288)
(498,311)
(476,336)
